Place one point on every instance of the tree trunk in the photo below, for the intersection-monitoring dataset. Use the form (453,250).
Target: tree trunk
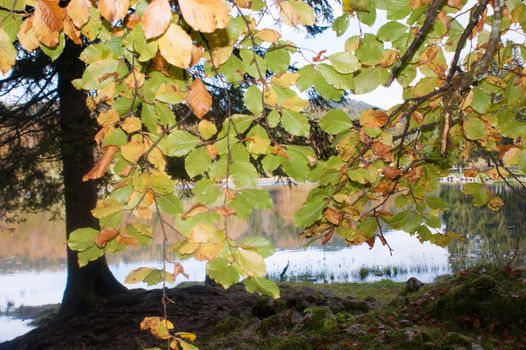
(84,285)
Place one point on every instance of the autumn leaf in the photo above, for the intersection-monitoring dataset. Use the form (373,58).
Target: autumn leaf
(176,46)
(269,35)
(156,18)
(71,31)
(7,53)
(48,21)
(113,10)
(78,12)
(194,210)
(333,216)
(26,35)
(179,270)
(373,118)
(197,53)
(102,164)
(199,98)
(225,211)
(390,172)
(105,236)
(205,15)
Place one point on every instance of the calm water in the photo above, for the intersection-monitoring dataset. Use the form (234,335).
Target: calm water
(32,258)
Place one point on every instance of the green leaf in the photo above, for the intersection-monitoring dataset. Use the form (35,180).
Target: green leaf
(10,22)
(481,101)
(273,118)
(480,197)
(253,100)
(137,275)
(341,24)
(55,52)
(336,121)
(262,286)
(259,244)
(90,254)
(310,212)
(82,239)
(345,62)
(106,207)
(179,143)
(116,137)
(370,51)
(206,191)
(369,79)
(391,31)
(170,204)
(197,162)
(222,272)
(522,162)
(161,183)
(295,123)
(244,173)
(278,61)
(143,233)
(249,263)
(474,128)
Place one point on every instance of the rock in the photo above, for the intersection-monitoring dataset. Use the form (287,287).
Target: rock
(275,324)
(412,285)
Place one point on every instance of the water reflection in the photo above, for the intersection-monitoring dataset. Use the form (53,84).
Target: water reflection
(32,259)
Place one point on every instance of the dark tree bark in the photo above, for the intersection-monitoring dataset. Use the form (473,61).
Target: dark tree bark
(84,285)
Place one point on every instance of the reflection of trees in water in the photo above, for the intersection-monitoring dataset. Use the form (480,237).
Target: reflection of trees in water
(490,235)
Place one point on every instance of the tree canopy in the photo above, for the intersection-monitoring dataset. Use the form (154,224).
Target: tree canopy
(154,69)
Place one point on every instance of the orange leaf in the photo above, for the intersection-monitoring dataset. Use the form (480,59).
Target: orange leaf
(471,173)
(26,35)
(225,211)
(102,164)
(71,31)
(334,216)
(156,18)
(113,10)
(197,53)
(51,14)
(195,209)
(212,151)
(105,236)
(373,118)
(205,15)
(175,46)
(127,240)
(199,98)
(78,12)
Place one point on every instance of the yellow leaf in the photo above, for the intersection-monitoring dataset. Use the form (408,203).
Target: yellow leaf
(252,263)
(156,18)
(269,35)
(207,129)
(113,10)
(156,157)
(78,12)
(176,46)
(110,116)
(27,37)
(136,276)
(220,55)
(133,150)
(186,335)
(7,53)
(202,233)
(205,15)
(285,79)
(199,98)
(131,124)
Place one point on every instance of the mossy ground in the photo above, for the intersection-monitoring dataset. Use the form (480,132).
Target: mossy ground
(481,308)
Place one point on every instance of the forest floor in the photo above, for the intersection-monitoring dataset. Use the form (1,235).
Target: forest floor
(480,308)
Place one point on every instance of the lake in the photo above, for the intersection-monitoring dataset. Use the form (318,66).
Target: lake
(33,259)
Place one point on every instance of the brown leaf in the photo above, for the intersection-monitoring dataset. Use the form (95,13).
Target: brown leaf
(113,10)
(383,151)
(156,18)
(78,12)
(199,98)
(455,3)
(229,194)
(179,270)
(225,211)
(205,15)
(27,37)
(327,236)
(105,236)
(102,164)
(428,55)
(280,151)
(390,172)
(333,216)
(370,242)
